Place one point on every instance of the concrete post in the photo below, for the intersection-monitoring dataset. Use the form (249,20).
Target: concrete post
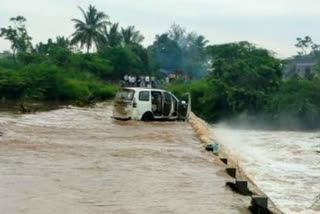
(242,187)
(224,160)
(260,201)
(231,172)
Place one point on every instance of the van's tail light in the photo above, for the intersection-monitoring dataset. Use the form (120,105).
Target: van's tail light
(134,104)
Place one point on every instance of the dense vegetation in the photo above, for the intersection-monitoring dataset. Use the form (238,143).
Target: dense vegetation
(246,85)
(59,70)
(235,81)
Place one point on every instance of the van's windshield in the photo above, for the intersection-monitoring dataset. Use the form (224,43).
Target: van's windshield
(125,94)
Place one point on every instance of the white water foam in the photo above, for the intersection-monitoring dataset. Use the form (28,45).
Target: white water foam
(285,165)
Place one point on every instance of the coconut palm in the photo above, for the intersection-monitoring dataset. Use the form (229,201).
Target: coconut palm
(62,42)
(113,37)
(131,36)
(89,32)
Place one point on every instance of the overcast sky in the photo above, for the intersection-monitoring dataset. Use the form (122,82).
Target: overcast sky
(272,24)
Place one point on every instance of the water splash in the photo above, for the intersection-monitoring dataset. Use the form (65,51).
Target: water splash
(283,164)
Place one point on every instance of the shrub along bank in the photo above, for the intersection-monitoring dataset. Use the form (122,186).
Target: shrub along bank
(33,78)
(246,87)
(295,105)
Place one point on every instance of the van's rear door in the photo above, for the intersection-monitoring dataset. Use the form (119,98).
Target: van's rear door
(184,106)
(123,104)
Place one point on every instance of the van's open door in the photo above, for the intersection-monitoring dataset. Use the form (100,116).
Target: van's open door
(184,106)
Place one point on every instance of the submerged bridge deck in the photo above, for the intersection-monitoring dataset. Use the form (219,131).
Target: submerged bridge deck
(78,160)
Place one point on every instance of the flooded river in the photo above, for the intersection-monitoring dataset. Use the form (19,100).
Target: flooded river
(79,160)
(285,165)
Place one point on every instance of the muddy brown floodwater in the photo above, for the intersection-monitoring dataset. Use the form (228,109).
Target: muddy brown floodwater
(79,160)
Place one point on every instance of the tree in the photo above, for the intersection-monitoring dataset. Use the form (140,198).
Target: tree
(62,42)
(90,31)
(131,36)
(166,52)
(17,35)
(113,37)
(176,32)
(248,74)
(47,48)
(123,61)
(177,49)
(304,44)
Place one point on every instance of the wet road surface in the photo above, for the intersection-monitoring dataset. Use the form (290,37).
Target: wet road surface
(79,160)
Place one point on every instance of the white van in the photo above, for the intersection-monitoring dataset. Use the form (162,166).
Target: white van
(150,104)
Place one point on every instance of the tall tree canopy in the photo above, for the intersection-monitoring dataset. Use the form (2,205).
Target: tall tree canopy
(177,49)
(113,37)
(17,34)
(245,71)
(90,31)
(131,36)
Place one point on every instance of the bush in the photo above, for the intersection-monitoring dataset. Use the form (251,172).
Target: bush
(48,82)
(12,85)
(296,104)
(8,63)
(103,90)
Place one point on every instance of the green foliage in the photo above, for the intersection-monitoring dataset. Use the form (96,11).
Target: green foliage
(12,83)
(17,34)
(8,62)
(209,98)
(244,80)
(31,58)
(99,66)
(49,47)
(90,31)
(246,83)
(179,50)
(113,37)
(102,90)
(167,53)
(56,71)
(296,103)
(306,46)
(49,81)
(248,74)
(131,36)
(199,90)
(124,61)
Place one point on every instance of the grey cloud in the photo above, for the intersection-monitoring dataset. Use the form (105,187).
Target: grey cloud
(273,24)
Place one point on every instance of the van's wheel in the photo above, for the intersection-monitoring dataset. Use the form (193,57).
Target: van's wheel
(147,117)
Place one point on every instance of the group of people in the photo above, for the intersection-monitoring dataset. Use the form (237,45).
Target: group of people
(151,81)
(140,81)
(177,77)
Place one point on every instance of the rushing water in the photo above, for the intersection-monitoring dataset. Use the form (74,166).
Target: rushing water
(284,164)
(79,160)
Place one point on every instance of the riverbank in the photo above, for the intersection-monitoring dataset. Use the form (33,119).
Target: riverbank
(229,161)
(295,105)
(36,106)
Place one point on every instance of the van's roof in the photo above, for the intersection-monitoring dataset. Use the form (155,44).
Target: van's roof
(144,89)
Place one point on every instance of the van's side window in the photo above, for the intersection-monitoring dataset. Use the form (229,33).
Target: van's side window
(144,96)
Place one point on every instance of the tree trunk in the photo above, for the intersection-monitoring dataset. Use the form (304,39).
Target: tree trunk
(14,56)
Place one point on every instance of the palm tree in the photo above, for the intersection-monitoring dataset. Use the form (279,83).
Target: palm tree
(89,32)
(131,36)
(113,37)
(62,42)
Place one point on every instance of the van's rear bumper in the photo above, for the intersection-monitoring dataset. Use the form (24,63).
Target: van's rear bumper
(120,118)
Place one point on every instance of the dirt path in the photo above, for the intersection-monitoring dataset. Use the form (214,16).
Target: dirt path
(77,160)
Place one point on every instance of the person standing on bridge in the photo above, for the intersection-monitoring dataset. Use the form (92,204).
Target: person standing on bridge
(126,80)
(147,81)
